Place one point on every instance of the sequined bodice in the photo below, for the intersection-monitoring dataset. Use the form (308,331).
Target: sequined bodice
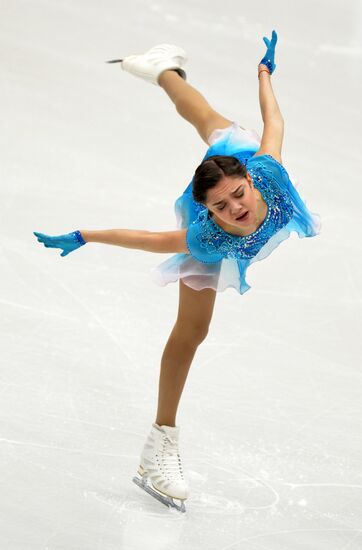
(214,239)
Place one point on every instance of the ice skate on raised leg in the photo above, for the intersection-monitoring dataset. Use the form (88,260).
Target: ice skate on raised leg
(155,61)
(160,472)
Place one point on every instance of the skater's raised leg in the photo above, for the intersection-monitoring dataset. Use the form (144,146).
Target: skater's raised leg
(191,328)
(163,65)
(191,104)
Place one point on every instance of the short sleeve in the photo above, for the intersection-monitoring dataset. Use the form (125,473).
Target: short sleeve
(199,246)
(304,222)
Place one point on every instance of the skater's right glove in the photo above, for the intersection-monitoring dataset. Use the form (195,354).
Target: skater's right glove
(268,58)
(68,242)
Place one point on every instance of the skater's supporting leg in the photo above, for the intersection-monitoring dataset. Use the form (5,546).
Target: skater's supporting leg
(191,328)
(191,105)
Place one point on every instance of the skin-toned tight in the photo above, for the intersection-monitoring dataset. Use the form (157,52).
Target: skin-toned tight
(195,307)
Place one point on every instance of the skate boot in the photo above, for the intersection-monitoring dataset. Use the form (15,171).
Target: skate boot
(160,471)
(155,61)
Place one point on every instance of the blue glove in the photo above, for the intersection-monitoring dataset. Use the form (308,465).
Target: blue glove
(68,242)
(268,58)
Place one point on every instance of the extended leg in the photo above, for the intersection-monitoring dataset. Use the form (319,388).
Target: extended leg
(191,105)
(191,328)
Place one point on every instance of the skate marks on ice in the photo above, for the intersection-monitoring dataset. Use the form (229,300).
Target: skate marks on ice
(235,488)
(323,514)
(145,523)
(132,500)
(250,494)
(246,491)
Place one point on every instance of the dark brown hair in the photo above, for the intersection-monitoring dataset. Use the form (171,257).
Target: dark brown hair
(211,171)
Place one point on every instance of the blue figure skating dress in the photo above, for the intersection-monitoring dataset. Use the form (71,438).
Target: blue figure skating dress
(218,259)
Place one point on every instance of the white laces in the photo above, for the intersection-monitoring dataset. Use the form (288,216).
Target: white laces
(171,458)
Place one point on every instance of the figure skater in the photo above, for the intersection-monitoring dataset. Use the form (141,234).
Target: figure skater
(239,206)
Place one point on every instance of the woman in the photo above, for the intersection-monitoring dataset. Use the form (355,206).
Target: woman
(238,207)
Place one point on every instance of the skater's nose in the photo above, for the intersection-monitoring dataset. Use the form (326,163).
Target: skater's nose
(236,206)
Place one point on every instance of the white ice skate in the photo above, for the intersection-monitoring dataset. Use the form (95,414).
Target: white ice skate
(160,471)
(155,61)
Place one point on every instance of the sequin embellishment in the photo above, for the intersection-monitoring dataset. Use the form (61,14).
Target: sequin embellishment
(78,237)
(214,239)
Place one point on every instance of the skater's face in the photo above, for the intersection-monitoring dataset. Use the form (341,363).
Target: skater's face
(231,198)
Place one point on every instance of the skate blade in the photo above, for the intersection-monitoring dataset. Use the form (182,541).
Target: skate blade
(143,483)
(115,61)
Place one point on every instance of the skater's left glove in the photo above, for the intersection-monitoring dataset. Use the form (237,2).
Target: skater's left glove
(68,242)
(268,58)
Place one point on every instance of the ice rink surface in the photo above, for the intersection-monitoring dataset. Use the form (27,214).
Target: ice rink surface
(270,416)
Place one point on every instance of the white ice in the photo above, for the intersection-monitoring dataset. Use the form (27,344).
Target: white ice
(270,416)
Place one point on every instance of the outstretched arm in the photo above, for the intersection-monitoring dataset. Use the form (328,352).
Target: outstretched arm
(273,133)
(268,104)
(162,241)
(150,241)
